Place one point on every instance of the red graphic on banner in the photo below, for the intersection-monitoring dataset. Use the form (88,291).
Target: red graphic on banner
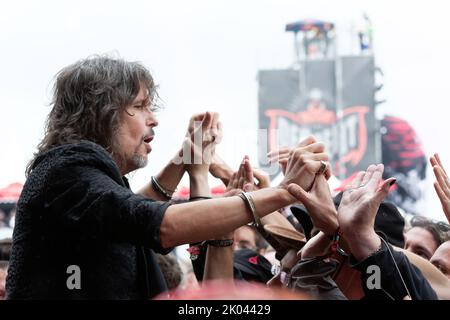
(324,118)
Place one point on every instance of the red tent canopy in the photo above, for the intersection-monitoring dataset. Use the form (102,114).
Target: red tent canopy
(11,192)
(183,192)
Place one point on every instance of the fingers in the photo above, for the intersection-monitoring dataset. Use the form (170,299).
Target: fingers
(219,133)
(283,150)
(434,161)
(210,125)
(215,120)
(285,153)
(320,183)
(376,177)
(207,121)
(440,193)
(438,159)
(300,194)
(283,163)
(315,167)
(215,126)
(262,178)
(248,170)
(241,179)
(233,181)
(198,116)
(276,155)
(317,157)
(442,178)
(370,170)
(317,147)
(248,187)
(383,191)
(356,182)
(307,142)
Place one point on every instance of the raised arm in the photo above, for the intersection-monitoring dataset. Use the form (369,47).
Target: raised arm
(170,176)
(219,256)
(193,222)
(442,184)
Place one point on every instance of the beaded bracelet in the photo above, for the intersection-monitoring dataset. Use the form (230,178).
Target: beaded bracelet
(220,243)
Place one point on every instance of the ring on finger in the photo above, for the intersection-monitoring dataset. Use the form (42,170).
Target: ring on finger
(323,167)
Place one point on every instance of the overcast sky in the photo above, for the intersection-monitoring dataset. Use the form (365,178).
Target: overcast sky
(205,54)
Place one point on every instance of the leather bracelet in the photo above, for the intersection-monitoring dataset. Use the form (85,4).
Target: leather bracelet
(334,247)
(220,243)
(160,189)
(247,198)
(199,198)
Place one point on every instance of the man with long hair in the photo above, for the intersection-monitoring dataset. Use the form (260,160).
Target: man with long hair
(80,232)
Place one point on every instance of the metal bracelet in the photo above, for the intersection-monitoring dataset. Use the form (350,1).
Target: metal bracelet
(251,205)
(160,189)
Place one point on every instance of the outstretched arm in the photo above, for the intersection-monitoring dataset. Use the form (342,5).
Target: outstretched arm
(193,222)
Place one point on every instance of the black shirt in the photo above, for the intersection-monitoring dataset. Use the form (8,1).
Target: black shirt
(76,209)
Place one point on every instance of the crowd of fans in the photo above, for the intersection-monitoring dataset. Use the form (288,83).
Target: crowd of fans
(295,240)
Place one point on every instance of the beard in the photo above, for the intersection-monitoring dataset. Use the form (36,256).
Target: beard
(139,161)
(128,162)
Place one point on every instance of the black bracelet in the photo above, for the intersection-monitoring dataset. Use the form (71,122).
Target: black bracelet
(220,243)
(199,198)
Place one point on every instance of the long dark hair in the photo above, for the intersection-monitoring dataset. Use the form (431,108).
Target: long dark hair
(88,99)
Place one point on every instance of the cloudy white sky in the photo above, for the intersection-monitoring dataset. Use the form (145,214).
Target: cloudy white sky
(205,54)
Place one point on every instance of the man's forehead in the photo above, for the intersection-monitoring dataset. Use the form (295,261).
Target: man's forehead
(142,95)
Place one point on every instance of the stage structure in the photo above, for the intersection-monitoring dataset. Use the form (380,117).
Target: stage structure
(331,97)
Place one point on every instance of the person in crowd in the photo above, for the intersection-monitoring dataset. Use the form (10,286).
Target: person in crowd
(237,255)
(3,273)
(171,270)
(441,258)
(424,237)
(5,249)
(80,232)
(354,223)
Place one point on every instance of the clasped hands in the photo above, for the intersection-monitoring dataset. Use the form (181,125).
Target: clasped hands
(204,132)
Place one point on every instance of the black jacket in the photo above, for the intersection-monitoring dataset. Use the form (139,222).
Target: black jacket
(76,209)
(394,283)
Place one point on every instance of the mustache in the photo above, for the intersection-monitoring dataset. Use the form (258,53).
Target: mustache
(151,133)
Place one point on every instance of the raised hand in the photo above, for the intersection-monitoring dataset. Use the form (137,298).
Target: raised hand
(215,128)
(305,161)
(242,180)
(319,203)
(199,144)
(281,156)
(442,184)
(358,208)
